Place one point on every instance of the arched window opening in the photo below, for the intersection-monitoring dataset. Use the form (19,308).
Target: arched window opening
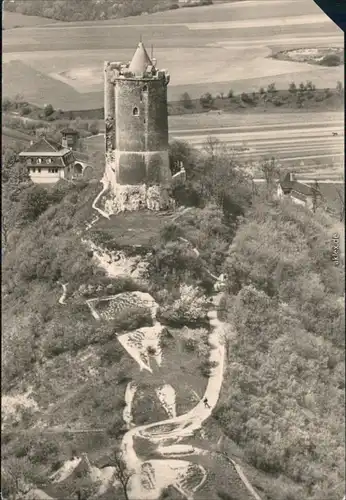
(145,88)
(135,111)
(78,169)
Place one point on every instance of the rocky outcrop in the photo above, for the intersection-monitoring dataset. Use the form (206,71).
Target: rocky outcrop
(138,197)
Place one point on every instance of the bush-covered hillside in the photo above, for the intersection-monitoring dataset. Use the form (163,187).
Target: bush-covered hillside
(282,401)
(90,10)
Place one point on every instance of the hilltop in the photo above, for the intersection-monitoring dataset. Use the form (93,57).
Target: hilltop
(64,373)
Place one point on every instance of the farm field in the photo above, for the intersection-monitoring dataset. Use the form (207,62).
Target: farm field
(11,136)
(212,48)
(302,142)
(15,20)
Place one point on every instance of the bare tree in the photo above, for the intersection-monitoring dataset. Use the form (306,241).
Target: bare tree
(315,193)
(4,229)
(85,488)
(270,170)
(341,196)
(122,473)
(17,478)
(212,146)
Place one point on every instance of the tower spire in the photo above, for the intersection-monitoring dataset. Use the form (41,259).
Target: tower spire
(140,60)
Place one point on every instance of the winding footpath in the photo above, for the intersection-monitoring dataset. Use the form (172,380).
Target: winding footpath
(151,477)
(64,293)
(162,473)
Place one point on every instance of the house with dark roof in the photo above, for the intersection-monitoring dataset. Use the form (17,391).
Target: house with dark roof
(48,161)
(299,192)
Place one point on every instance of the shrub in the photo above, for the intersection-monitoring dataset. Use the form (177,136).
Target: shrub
(190,344)
(132,319)
(226,496)
(43,451)
(339,88)
(246,98)
(292,88)
(230,94)
(35,201)
(116,429)
(93,128)
(331,60)
(48,110)
(112,353)
(206,100)
(6,104)
(271,89)
(206,367)
(186,101)
(277,101)
(25,110)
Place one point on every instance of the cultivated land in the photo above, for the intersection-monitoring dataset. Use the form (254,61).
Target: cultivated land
(14,20)
(302,142)
(212,48)
(10,136)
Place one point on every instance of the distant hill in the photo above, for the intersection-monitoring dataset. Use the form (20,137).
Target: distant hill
(78,10)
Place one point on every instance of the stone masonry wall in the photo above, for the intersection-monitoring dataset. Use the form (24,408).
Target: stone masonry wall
(137,163)
(148,131)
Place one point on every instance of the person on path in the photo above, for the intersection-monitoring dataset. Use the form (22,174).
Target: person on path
(206,404)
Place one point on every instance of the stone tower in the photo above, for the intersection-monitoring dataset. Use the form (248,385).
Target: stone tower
(136,118)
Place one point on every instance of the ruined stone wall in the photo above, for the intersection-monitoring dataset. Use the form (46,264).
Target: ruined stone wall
(109,105)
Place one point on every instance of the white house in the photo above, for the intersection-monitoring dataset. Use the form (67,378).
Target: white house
(299,192)
(48,162)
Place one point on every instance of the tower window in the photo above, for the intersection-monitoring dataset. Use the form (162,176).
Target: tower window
(145,88)
(135,111)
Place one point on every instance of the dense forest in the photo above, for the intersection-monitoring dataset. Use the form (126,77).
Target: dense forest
(282,400)
(90,10)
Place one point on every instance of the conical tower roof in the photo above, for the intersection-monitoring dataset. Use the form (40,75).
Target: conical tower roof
(140,60)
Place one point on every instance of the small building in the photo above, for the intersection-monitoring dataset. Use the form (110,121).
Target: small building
(69,138)
(299,192)
(48,161)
